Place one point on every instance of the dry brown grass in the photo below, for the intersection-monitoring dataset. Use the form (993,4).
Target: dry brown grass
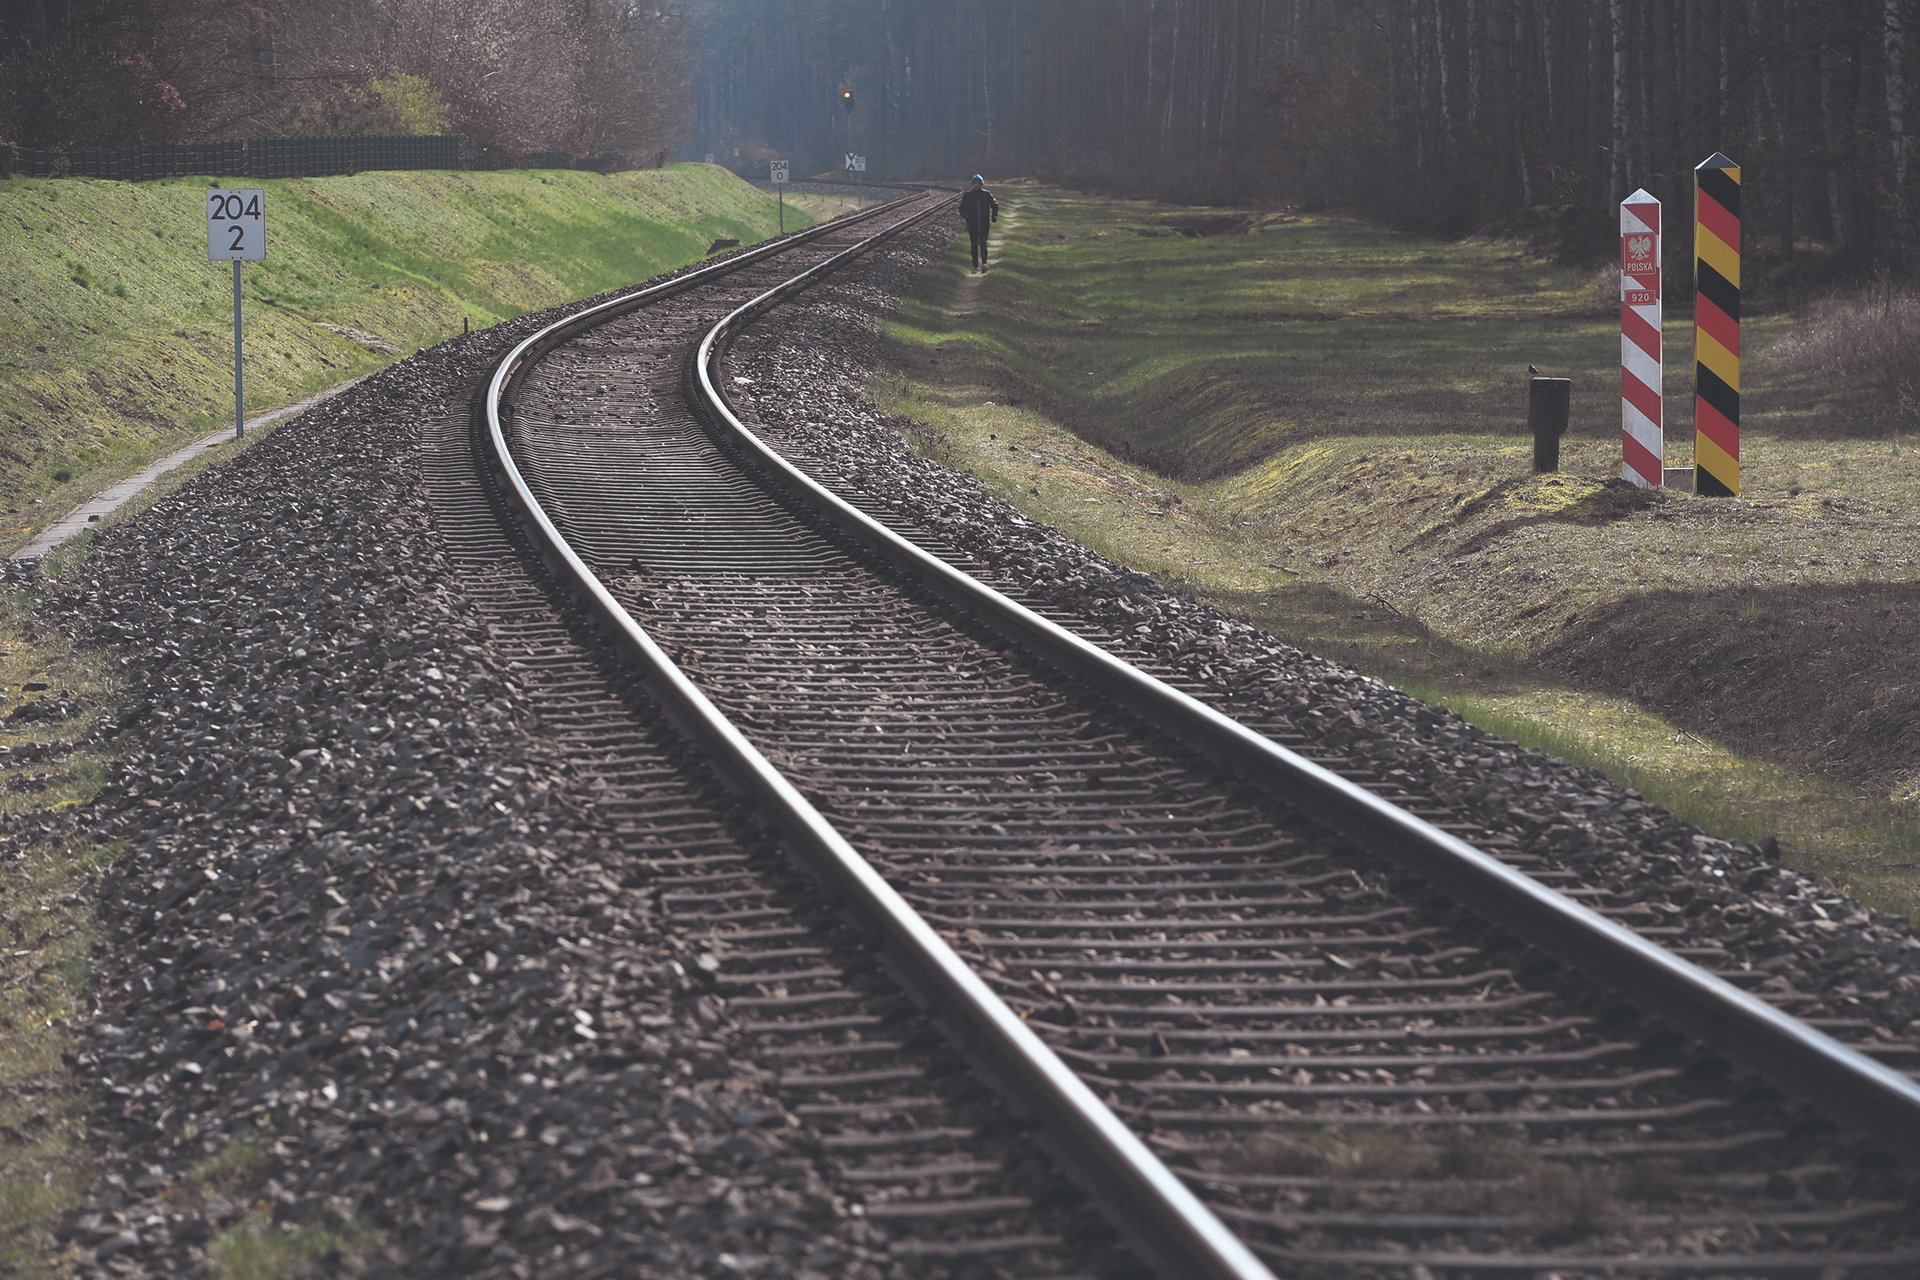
(1869,335)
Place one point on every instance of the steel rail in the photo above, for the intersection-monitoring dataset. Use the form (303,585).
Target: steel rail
(1869,1095)
(1154,1210)
(555,334)
(1845,1082)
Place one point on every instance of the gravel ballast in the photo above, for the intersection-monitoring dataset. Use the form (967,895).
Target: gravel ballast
(352,935)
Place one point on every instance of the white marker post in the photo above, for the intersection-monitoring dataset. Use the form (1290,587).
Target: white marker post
(1642,433)
(237,233)
(780,189)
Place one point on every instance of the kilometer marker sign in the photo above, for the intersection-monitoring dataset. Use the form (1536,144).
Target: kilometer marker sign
(237,233)
(1642,434)
(236,226)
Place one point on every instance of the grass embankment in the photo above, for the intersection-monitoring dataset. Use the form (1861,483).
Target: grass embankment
(117,349)
(118,343)
(822,206)
(1321,425)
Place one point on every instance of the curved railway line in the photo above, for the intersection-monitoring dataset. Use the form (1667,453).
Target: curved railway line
(1269,1018)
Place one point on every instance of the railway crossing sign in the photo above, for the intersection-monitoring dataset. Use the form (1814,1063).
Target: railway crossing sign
(237,233)
(857,164)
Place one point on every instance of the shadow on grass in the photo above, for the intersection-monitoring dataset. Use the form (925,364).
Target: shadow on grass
(1370,634)
(1608,501)
(1821,676)
(1747,788)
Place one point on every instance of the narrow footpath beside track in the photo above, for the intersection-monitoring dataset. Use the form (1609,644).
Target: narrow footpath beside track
(1357,1074)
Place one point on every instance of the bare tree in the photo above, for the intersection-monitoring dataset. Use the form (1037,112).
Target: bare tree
(587,76)
(633,86)
(506,68)
(89,73)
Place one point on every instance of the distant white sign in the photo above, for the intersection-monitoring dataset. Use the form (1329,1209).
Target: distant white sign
(236,226)
(856,163)
(779,171)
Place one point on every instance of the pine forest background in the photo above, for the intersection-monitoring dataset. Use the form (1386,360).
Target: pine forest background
(1441,115)
(1536,116)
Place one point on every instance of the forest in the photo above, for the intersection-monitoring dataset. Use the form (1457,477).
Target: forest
(1441,115)
(1437,115)
(589,77)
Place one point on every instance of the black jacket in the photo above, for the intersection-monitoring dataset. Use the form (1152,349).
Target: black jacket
(978,208)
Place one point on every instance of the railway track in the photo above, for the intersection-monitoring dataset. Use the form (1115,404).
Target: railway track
(1269,1021)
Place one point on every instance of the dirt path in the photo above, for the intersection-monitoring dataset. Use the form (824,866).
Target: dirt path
(965,299)
(120,492)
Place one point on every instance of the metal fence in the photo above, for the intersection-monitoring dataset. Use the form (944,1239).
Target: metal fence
(305,157)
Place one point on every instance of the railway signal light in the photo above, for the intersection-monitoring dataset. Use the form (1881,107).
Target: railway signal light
(846,100)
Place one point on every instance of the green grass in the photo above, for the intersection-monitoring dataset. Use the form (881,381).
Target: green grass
(819,206)
(1319,424)
(233,1166)
(120,331)
(47,930)
(331,1242)
(119,351)
(1840,834)
(327,1240)
(1202,354)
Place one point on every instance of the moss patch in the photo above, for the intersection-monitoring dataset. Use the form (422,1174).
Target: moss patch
(328,1241)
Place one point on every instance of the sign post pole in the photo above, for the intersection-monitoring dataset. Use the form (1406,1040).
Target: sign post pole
(239,384)
(1642,431)
(236,233)
(779,172)
(1716,328)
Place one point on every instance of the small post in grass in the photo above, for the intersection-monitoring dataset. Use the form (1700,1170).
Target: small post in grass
(1549,406)
(779,169)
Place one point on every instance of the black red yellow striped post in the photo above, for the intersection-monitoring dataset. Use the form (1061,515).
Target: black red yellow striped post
(1716,327)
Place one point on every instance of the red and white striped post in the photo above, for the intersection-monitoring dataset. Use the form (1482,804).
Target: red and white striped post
(1642,438)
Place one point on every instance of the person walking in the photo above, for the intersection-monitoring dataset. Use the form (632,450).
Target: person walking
(979,210)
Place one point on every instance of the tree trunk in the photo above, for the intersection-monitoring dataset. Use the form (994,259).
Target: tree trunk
(1619,103)
(1506,136)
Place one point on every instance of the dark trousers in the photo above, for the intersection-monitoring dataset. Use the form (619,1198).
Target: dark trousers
(979,237)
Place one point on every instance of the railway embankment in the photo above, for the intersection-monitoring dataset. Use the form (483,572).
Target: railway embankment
(118,339)
(391,968)
(1319,424)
